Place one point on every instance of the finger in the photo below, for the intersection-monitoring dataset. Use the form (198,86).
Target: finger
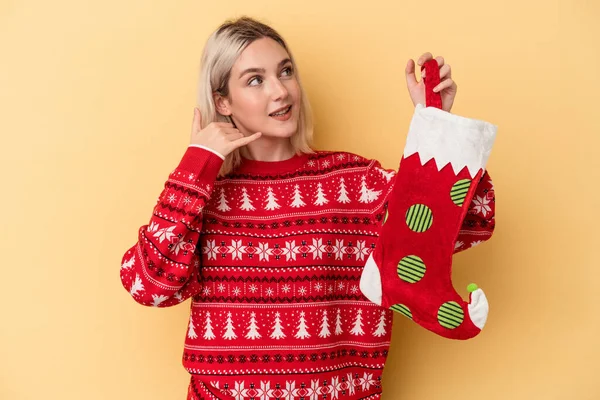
(223,124)
(446,83)
(246,139)
(445,71)
(233,136)
(411,79)
(424,57)
(230,130)
(440,61)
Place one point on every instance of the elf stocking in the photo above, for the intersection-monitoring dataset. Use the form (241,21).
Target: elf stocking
(410,268)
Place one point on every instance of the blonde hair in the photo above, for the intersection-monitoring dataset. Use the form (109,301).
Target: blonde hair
(222,49)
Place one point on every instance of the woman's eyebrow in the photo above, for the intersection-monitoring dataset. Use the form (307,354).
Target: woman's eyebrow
(262,70)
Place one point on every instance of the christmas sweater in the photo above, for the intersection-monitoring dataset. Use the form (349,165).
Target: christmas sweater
(271,256)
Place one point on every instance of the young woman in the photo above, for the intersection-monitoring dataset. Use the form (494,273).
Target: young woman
(269,237)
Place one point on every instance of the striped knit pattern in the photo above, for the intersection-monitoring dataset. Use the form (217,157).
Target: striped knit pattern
(419,217)
(411,269)
(450,315)
(402,309)
(459,191)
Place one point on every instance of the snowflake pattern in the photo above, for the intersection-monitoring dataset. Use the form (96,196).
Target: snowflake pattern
(481,205)
(165,233)
(339,386)
(211,250)
(238,250)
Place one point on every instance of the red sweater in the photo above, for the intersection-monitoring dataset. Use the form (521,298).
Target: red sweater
(272,256)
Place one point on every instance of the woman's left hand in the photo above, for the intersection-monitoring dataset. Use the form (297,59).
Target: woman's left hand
(446,88)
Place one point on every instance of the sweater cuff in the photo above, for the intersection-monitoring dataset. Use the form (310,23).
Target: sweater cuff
(449,138)
(203,165)
(209,149)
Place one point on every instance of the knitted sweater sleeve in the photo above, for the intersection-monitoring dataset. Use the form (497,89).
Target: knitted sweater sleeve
(162,268)
(480,221)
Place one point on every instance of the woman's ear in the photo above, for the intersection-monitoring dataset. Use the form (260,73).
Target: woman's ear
(221,104)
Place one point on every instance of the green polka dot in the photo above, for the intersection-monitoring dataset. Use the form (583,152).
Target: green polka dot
(472,287)
(459,191)
(450,315)
(411,269)
(402,309)
(419,217)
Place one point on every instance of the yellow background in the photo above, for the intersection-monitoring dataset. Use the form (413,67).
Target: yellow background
(96,102)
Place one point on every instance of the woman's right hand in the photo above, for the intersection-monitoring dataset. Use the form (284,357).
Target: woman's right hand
(221,137)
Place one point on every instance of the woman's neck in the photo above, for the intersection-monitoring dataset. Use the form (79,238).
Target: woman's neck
(268,149)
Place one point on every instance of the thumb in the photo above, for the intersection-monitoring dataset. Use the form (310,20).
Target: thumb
(411,80)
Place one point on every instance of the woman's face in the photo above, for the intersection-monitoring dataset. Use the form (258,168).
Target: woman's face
(263,81)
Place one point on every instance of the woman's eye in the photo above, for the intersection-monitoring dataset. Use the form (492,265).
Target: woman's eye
(253,79)
(290,72)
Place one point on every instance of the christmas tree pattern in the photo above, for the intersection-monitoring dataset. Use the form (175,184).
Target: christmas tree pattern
(157,299)
(137,286)
(387,175)
(297,199)
(380,330)
(367,195)
(223,206)
(277,328)
(208,333)
(253,328)
(302,332)
(343,192)
(271,200)
(229,332)
(324,326)
(192,329)
(338,323)
(246,202)
(320,198)
(357,328)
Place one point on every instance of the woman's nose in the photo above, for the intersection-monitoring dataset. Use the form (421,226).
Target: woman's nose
(278,90)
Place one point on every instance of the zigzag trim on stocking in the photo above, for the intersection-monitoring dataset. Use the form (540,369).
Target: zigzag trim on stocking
(449,138)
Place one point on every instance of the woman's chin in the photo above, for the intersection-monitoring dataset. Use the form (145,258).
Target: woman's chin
(283,131)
